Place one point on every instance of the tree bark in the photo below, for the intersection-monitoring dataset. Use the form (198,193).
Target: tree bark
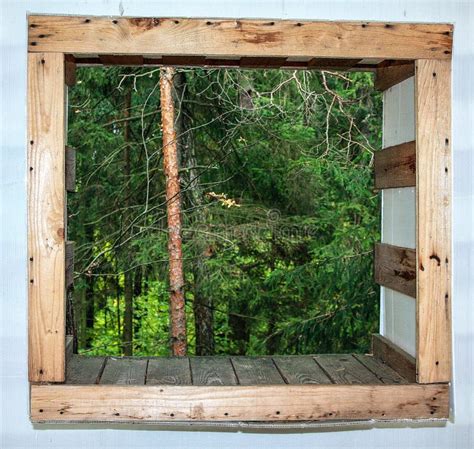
(127,334)
(193,197)
(173,201)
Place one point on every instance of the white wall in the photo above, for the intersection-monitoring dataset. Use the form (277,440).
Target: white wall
(17,431)
(398,311)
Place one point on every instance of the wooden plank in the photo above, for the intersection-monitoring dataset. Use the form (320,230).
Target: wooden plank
(264,63)
(328,64)
(69,347)
(124,371)
(168,371)
(395,267)
(114,403)
(395,357)
(345,369)
(256,371)
(433,203)
(395,166)
(46,222)
(212,371)
(82,370)
(301,370)
(386,374)
(69,264)
(69,70)
(126,60)
(386,77)
(70,169)
(224,37)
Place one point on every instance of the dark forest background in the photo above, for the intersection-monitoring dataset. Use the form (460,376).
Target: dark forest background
(279,213)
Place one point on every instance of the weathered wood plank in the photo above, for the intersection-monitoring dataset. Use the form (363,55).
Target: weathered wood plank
(69,264)
(69,70)
(300,370)
(256,371)
(82,370)
(124,371)
(395,357)
(345,369)
(70,181)
(212,371)
(395,267)
(252,38)
(387,77)
(433,202)
(46,222)
(395,166)
(386,374)
(112,403)
(168,371)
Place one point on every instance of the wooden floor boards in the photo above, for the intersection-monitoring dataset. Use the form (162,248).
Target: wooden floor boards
(343,369)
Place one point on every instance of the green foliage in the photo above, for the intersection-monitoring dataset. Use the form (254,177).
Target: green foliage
(290,219)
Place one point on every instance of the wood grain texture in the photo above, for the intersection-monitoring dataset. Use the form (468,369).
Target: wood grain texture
(386,374)
(395,357)
(69,70)
(433,200)
(70,169)
(124,371)
(169,371)
(212,371)
(395,166)
(395,267)
(250,38)
(300,370)
(345,369)
(113,403)
(387,77)
(82,370)
(46,222)
(256,371)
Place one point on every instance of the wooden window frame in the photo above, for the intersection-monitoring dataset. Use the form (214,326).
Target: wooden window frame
(260,43)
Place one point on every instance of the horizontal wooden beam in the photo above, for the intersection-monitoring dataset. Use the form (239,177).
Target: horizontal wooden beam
(235,62)
(395,357)
(386,77)
(250,38)
(395,166)
(395,267)
(115,403)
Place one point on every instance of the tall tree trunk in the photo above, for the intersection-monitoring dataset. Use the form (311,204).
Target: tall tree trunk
(173,201)
(193,197)
(127,335)
(89,293)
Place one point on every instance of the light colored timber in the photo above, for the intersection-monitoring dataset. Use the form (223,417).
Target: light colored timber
(395,267)
(250,38)
(395,357)
(433,203)
(237,403)
(395,166)
(387,77)
(46,223)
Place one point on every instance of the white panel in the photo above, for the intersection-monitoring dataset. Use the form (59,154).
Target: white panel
(15,429)
(397,311)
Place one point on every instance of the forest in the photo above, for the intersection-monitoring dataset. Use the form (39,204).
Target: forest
(278,215)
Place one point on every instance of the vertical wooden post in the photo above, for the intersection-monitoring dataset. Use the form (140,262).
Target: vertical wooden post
(46,221)
(433,198)
(173,200)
